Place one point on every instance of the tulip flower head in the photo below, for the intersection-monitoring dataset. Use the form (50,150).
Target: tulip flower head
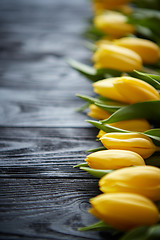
(143,180)
(97,113)
(113,24)
(126,89)
(124,211)
(115,57)
(100,5)
(148,50)
(106,89)
(136,90)
(114,159)
(135,142)
(135,125)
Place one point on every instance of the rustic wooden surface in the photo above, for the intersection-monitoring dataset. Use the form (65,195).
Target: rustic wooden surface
(41,135)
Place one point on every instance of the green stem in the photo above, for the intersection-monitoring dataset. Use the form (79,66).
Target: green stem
(98,173)
(81,165)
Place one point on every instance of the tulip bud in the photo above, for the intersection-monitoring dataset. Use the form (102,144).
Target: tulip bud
(126,89)
(135,125)
(113,159)
(97,113)
(143,180)
(113,24)
(135,142)
(135,90)
(115,57)
(99,5)
(148,50)
(106,89)
(124,211)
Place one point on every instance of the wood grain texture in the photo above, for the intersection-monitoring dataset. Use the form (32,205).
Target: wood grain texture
(47,208)
(41,135)
(44,152)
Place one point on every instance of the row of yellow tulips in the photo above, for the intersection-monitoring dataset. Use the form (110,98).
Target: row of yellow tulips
(131,188)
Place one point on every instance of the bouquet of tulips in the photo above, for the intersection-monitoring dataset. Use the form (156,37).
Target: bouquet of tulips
(124,38)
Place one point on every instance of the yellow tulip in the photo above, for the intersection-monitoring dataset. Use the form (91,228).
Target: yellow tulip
(106,89)
(124,211)
(135,125)
(99,5)
(126,9)
(148,50)
(135,90)
(143,180)
(113,23)
(135,142)
(97,113)
(126,89)
(103,41)
(113,159)
(115,57)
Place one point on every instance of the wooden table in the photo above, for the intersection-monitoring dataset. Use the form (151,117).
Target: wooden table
(41,135)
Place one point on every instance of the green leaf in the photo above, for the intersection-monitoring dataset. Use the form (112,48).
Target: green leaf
(154,134)
(82,108)
(136,234)
(156,77)
(81,165)
(93,34)
(106,128)
(143,233)
(91,100)
(147,23)
(99,226)
(151,69)
(149,110)
(98,173)
(146,14)
(107,72)
(147,78)
(96,149)
(91,73)
(109,108)
(84,69)
(151,4)
(153,233)
(91,46)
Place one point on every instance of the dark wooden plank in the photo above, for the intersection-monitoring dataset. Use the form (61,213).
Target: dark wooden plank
(41,136)
(43,73)
(47,209)
(37,86)
(44,152)
(35,30)
(38,109)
